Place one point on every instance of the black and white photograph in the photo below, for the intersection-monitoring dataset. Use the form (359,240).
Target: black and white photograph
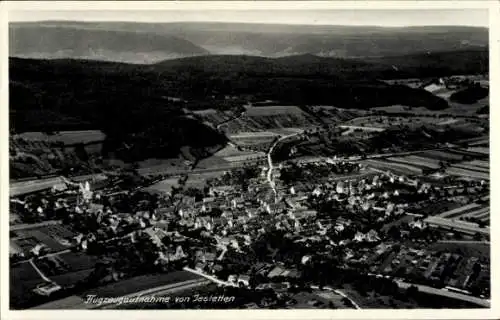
(309,159)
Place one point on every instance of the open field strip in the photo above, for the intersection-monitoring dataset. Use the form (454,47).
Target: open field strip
(372,129)
(467,152)
(441,155)
(471,213)
(479,143)
(483,216)
(459,210)
(479,163)
(414,162)
(421,159)
(478,212)
(258,134)
(467,173)
(481,150)
(272,110)
(449,121)
(471,167)
(392,165)
(466,227)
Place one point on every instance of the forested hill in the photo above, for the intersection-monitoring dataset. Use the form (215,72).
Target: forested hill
(132,104)
(126,103)
(311,66)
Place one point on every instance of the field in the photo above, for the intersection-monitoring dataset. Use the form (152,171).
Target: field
(140,283)
(19,188)
(50,236)
(376,301)
(453,109)
(199,180)
(469,166)
(383,121)
(157,166)
(471,210)
(457,225)
(457,171)
(442,155)
(270,117)
(164,185)
(416,160)
(481,150)
(321,299)
(333,115)
(439,207)
(214,117)
(229,156)
(68,268)
(23,279)
(398,168)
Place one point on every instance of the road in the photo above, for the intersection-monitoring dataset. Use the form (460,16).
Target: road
(340,293)
(40,273)
(272,184)
(445,293)
(209,277)
(225,283)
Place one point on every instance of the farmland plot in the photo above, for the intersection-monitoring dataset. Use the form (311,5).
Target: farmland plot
(416,162)
(480,163)
(442,155)
(481,150)
(471,167)
(459,211)
(397,167)
(481,213)
(454,171)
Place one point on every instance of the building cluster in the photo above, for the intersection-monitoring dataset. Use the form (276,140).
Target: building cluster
(215,231)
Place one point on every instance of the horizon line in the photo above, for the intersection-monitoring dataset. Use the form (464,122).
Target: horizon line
(250,23)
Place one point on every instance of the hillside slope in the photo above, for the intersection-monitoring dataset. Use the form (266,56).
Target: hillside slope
(121,100)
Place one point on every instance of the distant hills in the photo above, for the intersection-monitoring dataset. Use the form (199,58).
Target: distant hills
(123,46)
(150,43)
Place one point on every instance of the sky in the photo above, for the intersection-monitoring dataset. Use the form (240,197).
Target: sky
(389,18)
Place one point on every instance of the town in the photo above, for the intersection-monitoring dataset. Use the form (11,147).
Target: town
(277,232)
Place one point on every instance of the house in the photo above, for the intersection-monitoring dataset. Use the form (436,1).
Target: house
(244,279)
(359,237)
(232,278)
(276,271)
(372,236)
